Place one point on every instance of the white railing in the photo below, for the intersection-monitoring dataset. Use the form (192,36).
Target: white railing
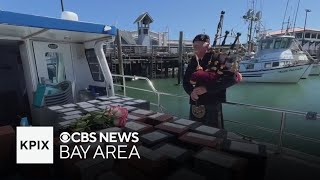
(284,112)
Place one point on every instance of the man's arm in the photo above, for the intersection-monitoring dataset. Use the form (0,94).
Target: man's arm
(186,78)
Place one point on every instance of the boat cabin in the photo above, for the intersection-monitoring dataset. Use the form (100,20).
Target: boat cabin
(283,42)
(57,59)
(275,52)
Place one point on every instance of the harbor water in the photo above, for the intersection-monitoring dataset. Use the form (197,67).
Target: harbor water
(303,96)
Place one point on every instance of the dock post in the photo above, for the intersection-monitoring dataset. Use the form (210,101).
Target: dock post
(180,57)
(166,69)
(120,60)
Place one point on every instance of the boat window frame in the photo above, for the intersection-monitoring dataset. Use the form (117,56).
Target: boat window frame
(313,36)
(267,44)
(298,35)
(287,44)
(275,63)
(250,66)
(276,42)
(309,35)
(92,60)
(265,65)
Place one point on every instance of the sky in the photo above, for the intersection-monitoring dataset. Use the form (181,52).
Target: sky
(190,16)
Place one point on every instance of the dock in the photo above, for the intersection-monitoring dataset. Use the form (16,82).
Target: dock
(153,62)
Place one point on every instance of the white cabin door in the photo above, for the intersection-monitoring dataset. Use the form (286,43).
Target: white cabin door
(54,62)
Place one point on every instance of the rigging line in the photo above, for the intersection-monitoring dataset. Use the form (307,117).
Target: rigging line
(285,14)
(295,19)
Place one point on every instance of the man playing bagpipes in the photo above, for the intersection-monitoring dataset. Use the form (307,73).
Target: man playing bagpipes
(206,79)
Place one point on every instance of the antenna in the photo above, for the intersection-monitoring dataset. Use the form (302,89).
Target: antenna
(62,7)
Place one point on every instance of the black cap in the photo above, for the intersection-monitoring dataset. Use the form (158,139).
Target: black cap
(201,37)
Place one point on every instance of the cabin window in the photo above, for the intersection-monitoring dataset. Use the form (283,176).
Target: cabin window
(94,65)
(275,64)
(267,65)
(314,36)
(250,66)
(282,63)
(298,35)
(318,37)
(277,44)
(285,43)
(307,35)
(267,44)
(55,67)
(145,31)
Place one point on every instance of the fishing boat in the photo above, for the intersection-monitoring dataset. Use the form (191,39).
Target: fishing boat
(278,60)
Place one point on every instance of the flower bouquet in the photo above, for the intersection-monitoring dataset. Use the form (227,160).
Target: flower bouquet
(114,116)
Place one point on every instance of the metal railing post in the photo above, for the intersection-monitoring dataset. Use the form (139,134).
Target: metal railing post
(281,130)
(159,106)
(124,86)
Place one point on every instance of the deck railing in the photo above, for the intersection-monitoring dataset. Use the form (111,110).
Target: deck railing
(284,112)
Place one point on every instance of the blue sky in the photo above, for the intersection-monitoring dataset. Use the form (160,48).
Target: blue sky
(190,16)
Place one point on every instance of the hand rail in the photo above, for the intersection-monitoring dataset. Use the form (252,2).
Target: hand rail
(283,112)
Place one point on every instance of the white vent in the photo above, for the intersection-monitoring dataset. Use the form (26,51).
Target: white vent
(67,15)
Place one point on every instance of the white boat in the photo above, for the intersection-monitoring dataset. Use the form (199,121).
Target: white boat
(278,60)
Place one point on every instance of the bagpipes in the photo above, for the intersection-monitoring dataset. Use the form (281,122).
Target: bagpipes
(220,63)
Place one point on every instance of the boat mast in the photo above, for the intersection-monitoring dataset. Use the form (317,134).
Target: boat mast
(252,17)
(285,14)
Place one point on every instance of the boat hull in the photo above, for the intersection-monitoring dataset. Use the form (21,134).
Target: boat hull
(315,71)
(280,75)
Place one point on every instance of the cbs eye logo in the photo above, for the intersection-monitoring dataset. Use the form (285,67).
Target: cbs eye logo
(65,137)
(34,145)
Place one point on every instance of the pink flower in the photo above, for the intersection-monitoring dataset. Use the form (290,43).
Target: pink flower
(120,115)
(238,77)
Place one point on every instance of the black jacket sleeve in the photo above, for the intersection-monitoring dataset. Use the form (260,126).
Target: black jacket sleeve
(186,78)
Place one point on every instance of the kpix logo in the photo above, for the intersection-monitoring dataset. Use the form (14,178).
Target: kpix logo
(34,145)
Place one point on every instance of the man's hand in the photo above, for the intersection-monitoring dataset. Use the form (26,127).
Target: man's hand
(198,91)
(194,96)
